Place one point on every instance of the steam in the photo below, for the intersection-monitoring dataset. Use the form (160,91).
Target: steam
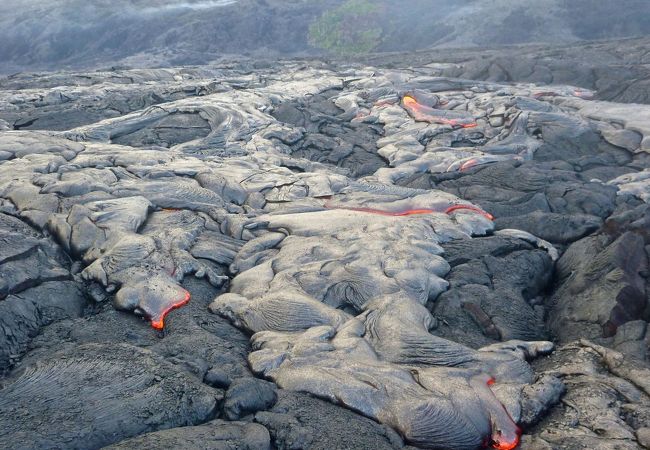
(186,5)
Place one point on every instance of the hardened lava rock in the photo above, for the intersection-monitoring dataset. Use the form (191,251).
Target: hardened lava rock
(379,358)
(212,435)
(99,394)
(419,257)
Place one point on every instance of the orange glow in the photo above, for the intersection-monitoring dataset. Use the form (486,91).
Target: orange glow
(413,212)
(468,164)
(506,438)
(159,322)
(425,113)
(505,434)
(487,215)
(506,445)
(410,101)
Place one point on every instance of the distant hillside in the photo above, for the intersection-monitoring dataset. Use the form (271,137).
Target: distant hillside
(55,34)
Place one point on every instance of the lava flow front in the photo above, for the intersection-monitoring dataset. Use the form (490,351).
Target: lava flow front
(158,321)
(423,113)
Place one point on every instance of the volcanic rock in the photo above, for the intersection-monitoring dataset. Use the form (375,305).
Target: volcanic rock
(248,395)
(99,394)
(216,435)
(398,249)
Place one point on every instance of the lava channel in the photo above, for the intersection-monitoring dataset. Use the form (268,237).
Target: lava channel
(158,321)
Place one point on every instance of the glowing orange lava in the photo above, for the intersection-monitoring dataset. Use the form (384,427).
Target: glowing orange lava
(159,322)
(487,215)
(583,94)
(413,212)
(410,102)
(506,438)
(469,164)
(505,433)
(425,113)
(506,445)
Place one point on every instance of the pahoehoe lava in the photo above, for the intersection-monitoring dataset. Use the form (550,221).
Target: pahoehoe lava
(321,255)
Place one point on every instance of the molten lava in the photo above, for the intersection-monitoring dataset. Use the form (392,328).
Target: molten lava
(507,435)
(506,439)
(159,322)
(413,212)
(468,164)
(453,208)
(506,445)
(423,113)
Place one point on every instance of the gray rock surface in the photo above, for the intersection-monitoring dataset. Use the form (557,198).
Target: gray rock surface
(99,394)
(216,435)
(616,69)
(315,255)
(248,396)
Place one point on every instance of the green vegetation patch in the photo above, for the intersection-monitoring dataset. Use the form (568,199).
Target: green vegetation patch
(349,29)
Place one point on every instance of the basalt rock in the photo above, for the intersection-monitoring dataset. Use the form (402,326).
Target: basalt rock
(132,390)
(395,248)
(216,435)
(602,407)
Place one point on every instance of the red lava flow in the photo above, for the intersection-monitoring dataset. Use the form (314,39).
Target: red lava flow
(506,445)
(468,164)
(508,440)
(427,114)
(159,322)
(413,212)
(506,436)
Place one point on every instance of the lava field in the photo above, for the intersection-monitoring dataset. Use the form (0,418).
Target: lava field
(312,255)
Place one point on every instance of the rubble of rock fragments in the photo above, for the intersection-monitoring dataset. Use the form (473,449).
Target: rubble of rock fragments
(314,255)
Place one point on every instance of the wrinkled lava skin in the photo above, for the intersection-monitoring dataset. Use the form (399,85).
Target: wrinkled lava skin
(398,244)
